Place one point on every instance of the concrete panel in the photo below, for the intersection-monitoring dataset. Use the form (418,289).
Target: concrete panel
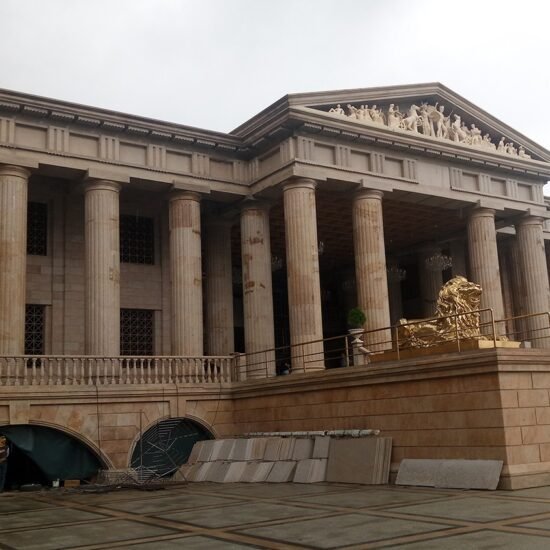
(451,474)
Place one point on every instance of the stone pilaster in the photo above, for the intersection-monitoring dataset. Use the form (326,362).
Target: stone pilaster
(186,271)
(259,332)
(484,268)
(431,281)
(304,289)
(219,288)
(13,258)
(102,253)
(532,259)
(370,266)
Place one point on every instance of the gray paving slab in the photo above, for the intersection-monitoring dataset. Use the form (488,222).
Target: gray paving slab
(342,530)
(54,538)
(174,502)
(476,509)
(226,516)
(455,474)
(48,516)
(365,498)
(194,542)
(486,539)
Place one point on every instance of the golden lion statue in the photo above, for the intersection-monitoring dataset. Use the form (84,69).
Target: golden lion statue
(456,296)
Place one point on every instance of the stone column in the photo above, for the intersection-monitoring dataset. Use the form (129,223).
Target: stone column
(507,291)
(518,289)
(370,266)
(219,288)
(394,291)
(13,258)
(532,258)
(304,287)
(431,281)
(484,269)
(186,271)
(458,256)
(102,253)
(259,331)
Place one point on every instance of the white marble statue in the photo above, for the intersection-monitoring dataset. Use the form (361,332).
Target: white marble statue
(431,121)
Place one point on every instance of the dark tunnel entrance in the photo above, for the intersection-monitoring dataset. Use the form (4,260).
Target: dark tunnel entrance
(166,446)
(40,455)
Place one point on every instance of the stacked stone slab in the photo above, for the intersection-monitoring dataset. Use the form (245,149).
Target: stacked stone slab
(350,456)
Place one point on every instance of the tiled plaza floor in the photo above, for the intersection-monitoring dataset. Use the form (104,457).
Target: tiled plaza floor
(239,516)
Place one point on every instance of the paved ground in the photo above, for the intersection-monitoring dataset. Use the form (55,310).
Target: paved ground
(243,516)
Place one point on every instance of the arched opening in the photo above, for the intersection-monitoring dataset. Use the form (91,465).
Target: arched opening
(40,455)
(166,446)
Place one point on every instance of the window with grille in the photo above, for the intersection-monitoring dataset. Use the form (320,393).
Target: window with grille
(137,237)
(34,329)
(37,229)
(136,332)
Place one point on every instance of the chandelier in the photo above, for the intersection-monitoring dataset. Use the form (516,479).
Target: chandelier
(438,262)
(396,274)
(320,247)
(276,262)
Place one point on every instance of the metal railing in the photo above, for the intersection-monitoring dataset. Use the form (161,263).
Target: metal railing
(358,348)
(396,342)
(66,370)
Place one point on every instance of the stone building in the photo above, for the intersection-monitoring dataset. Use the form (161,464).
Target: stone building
(126,236)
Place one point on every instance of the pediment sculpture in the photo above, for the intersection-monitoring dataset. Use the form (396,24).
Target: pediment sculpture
(432,121)
(458,297)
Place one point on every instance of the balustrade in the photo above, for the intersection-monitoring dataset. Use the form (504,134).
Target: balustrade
(67,370)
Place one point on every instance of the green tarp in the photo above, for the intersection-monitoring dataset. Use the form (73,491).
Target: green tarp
(58,455)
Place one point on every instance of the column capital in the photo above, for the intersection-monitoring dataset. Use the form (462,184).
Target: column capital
(251,203)
(295,183)
(364,193)
(12,170)
(93,184)
(530,220)
(480,212)
(181,195)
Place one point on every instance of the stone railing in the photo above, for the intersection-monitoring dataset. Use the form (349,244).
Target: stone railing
(81,370)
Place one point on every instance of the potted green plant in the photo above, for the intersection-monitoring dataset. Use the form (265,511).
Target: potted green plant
(356,319)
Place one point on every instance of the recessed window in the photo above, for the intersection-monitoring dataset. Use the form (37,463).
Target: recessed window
(136,332)
(37,229)
(34,329)
(137,238)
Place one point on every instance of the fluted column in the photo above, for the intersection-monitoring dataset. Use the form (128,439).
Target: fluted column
(370,266)
(458,255)
(304,287)
(102,253)
(219,288)
(431,281)
(484,269)
(535,275)
(13,258)
(518,289)
(186,270)
(259,331)
(394,291)
(507,291)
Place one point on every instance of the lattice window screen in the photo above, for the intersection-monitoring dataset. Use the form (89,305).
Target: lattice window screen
(37,229)
(137,332)
(137,240)
(34,329)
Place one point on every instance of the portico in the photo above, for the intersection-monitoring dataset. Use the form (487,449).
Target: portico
(193,267)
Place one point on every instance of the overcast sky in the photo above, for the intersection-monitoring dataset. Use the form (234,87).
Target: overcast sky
(215,63)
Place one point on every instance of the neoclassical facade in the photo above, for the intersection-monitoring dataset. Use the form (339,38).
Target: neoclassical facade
(125,235)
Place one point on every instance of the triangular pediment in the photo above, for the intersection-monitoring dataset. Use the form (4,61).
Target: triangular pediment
(427,111)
